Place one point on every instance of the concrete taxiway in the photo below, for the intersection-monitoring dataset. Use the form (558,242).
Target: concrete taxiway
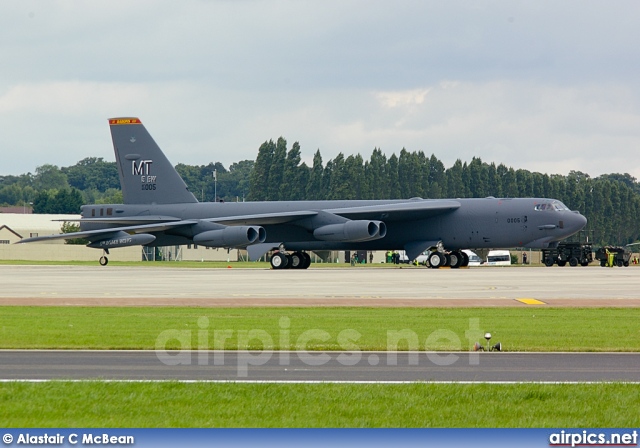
(319,366)
(481,286)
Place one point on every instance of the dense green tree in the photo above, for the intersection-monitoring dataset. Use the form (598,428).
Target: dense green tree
(437,178)
(93,173)
(276,171)
(65,201)
(50,177)
(259,180)
(394,184)
(315,187)
(234,184)
(377,175)
(289,187)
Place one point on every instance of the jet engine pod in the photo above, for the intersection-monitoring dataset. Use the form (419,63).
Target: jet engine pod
(231,236)
(122,239)
(360,230)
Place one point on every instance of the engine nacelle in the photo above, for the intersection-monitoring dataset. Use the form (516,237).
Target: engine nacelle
(361,230)
(231,236)
(123,239)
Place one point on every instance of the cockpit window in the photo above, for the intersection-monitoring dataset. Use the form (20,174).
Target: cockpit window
(555,205)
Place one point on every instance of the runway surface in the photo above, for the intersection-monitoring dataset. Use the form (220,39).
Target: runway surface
(481,286)
(320,366)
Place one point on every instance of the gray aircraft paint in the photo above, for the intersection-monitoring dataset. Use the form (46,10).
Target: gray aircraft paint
(158,203)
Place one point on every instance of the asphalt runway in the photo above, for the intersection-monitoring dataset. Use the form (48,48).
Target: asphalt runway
(478,286)
(320,366)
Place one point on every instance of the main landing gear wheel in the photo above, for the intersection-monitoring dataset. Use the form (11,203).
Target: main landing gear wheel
(279,261)
(456,259)
(298,260)
(436,259)
(307,260)
(465,259)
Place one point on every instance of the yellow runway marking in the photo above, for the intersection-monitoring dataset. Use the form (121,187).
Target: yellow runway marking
(531,301)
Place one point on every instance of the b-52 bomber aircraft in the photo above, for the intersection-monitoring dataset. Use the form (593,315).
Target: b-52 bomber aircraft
(159,210)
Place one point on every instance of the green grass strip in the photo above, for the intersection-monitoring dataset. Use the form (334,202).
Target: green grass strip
(518,328)
(99,404)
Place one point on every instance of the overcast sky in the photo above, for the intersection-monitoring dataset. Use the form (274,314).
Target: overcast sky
(548,86)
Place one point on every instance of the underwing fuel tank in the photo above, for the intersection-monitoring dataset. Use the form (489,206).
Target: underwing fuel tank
(123,239)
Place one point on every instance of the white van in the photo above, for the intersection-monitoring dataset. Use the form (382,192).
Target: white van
(474,259)
(498,258)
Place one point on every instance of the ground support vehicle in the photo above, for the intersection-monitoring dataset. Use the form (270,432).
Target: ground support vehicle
(613,256)
(573,253)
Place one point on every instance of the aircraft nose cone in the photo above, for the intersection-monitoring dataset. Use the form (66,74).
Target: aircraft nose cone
(575,221)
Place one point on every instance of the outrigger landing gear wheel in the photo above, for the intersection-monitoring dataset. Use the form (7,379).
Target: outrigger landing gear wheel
(104,260)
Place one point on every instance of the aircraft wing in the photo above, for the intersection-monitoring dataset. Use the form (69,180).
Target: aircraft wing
(399,211)
(263,219)
(129,220)
(156,227)
(384,212)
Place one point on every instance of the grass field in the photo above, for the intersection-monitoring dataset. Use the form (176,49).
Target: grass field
(519,329)
(171,404)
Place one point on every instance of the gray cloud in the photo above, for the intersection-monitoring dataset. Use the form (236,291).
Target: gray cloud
(546,86)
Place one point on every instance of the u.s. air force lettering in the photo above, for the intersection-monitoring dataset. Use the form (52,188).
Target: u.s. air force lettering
(143,169)
(115,242)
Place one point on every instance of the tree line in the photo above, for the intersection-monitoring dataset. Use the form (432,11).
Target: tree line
(610,202)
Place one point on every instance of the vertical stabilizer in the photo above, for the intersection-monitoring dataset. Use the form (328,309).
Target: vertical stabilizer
(146,175)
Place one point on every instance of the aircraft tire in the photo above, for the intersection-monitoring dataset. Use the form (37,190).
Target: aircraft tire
(584,263)
(573,261)
(307,260)
(455,260)
(103,261)
(465,260)
(548,262)
(436,259)
(296,260)
(562,263)
(279,261)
